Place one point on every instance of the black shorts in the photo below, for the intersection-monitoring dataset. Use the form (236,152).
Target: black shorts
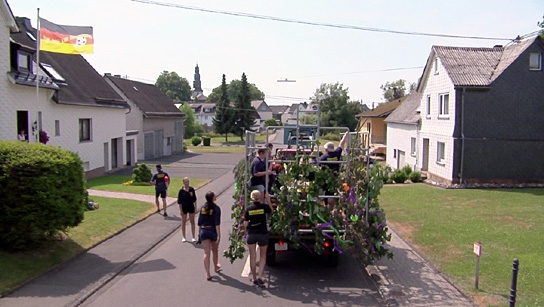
(161,193)
(258,238)
(208,234)
(188,208)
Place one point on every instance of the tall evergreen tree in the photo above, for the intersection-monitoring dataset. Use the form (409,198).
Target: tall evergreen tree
(224,115)
(246,112)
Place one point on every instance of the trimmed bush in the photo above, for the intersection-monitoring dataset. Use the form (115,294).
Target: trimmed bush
(206,140)
(142,173)
(382,172)
(407,170)
(43,193)
(195,140)
(399,176)
(415,177)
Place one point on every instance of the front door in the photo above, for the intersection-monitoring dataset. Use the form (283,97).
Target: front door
(425,156)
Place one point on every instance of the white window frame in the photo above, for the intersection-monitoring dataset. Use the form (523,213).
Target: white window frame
(24,59)
(413,145)
(436,66)
(440,152)
(535,61)
(444,105)
(428,111)
(85,130)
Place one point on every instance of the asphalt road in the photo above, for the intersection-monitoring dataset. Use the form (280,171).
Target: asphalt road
(172,274)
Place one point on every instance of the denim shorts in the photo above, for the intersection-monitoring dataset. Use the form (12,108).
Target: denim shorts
(257,238)
(208,234)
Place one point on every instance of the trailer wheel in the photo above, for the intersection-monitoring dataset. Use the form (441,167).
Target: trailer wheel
(271,254)
(332,259)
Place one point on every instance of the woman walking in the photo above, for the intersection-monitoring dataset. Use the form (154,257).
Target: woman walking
(187,206)
(209,228)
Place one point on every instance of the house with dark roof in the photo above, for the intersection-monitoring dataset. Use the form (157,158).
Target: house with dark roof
(264,112)
(153,115)
(373,127)
(403,125)
(63,97)
(278,111)
(204,114)
(481,116)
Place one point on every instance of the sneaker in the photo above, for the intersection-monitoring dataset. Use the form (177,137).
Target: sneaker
(193,240)
(183,240)
(259,282)
(165,214)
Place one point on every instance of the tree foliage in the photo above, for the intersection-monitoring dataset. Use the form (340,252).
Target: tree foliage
(233,88)
(175,87)
(246,113)
(190,124)
(336,109)
(223,122)
(396,89)
(541,25)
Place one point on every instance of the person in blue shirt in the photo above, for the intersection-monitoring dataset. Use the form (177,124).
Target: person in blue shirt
(209,228)
(160,180)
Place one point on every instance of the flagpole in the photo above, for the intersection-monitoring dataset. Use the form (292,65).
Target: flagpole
(38,70)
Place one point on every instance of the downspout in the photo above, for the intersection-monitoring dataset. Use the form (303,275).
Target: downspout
(462,135)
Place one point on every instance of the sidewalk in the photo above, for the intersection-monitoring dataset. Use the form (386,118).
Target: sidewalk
(75,281)
(409,280)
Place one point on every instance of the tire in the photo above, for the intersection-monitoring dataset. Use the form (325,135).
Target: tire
(332,259)
(271,254)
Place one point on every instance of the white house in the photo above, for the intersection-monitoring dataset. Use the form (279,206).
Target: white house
(77,109)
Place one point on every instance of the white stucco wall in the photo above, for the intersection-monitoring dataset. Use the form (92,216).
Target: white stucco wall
(399,138)
(434,128)
(205,119)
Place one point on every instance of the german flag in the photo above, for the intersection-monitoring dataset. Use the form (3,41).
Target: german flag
(65,39)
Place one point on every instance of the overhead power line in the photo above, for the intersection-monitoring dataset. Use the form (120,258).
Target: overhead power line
(312,23)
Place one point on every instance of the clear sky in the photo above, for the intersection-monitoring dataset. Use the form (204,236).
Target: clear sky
(140,40)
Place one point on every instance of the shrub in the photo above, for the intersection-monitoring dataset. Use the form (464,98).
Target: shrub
(206,140)
(382,172)
(195,140)
(142,173)
(43,193)
(399,176)
(415,177)
(407,170)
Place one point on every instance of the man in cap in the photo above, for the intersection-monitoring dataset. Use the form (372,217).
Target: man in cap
(160,180)
(332,156)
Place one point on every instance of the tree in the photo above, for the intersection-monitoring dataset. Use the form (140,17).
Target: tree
(233,88)
(243,108)
(223,121)
(336,109)
(541,25)
(190,124)
(395,90)
(271,122)
(175,87)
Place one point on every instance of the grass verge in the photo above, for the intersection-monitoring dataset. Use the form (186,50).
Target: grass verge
(443,224)
(115,183)
(113,216)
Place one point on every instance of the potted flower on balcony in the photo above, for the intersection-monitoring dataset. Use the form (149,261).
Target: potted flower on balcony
(44,138)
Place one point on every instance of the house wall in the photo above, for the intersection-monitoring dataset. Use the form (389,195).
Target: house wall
(438,129)
(167,126)
(106,124)
(503,127)
(399,138)
(205,119)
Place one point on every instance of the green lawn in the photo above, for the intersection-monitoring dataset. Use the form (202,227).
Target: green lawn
(113,216)
(115,183)
(444,224)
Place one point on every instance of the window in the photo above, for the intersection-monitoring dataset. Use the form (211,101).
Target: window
(84,129)
(23,61)
(436,66)
(428,111)
(57,127)
(394,153)
(53,73)
(535,61)
(444,105)
(413,146)
(440,152)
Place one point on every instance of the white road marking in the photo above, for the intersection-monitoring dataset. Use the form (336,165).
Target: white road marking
(247,269)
